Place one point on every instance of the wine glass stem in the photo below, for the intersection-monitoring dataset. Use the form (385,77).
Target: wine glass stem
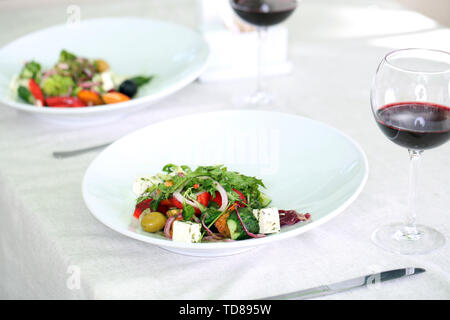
(414,166)
(260,32)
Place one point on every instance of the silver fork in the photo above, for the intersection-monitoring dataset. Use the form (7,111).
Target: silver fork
(72,153)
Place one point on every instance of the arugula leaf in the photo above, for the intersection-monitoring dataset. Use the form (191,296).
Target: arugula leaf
(186,168)
(211,214)
(141,80)
(188,211)
(66,56)
(170,168)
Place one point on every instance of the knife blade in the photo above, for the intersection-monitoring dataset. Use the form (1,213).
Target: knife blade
(348,284)
(71,153)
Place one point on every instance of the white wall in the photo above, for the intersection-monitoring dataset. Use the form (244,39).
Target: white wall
(438,10)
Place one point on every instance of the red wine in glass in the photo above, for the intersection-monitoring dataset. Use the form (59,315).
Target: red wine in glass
(264,12)
(415,125)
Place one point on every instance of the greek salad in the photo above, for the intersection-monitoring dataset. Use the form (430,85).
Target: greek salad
(209,203)
(74,82)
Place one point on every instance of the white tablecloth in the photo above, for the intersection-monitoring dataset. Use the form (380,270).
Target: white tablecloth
(48,236)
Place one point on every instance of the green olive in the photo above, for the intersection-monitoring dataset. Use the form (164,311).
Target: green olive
(153,221)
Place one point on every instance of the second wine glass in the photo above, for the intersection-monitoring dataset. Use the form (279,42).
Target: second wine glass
(262,14)
(410,101)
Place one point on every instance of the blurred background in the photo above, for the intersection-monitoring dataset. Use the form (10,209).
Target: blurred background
(390,24)
(438,10)
(22,16)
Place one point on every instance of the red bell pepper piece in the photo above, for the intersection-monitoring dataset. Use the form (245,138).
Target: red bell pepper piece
(164,205)
(203,198)
(165,202)
(69,102)
(36,91)
(217,199)
(176,203)
(140,207)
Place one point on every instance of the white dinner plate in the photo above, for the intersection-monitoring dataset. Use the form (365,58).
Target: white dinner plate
(174,54)
(305,165)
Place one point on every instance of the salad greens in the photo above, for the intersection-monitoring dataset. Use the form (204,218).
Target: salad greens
(58,85)
(31,70)
(226,205)
(229,180)
(74,81)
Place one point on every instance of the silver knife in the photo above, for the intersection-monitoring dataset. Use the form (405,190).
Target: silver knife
(348,284)
(71,153)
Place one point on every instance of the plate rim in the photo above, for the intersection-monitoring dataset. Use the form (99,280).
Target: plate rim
(244,243)
(205,50)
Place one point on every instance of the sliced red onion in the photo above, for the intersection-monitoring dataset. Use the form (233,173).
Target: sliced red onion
(245,228)
(196,219)
(212,239)
(210,233)
(223,195)
(167,227)
(209,238)
(88,84)
(177,195)
(88,72)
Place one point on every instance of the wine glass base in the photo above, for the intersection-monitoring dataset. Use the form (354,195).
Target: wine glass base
(398,239)
(260,98)
(255,100)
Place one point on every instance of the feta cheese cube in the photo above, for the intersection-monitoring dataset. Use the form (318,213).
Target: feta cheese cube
(268,219)
(107,82)
(142,183)
(186,231)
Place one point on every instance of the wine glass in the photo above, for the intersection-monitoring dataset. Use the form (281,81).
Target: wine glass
(410,100)
(262,14)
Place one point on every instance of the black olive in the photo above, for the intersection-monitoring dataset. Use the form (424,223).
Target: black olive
(129,88)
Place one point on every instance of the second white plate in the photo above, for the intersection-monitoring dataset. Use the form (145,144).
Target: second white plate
(175,54)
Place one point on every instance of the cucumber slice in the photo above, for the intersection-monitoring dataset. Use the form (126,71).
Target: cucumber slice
(237,232)
(264,200)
